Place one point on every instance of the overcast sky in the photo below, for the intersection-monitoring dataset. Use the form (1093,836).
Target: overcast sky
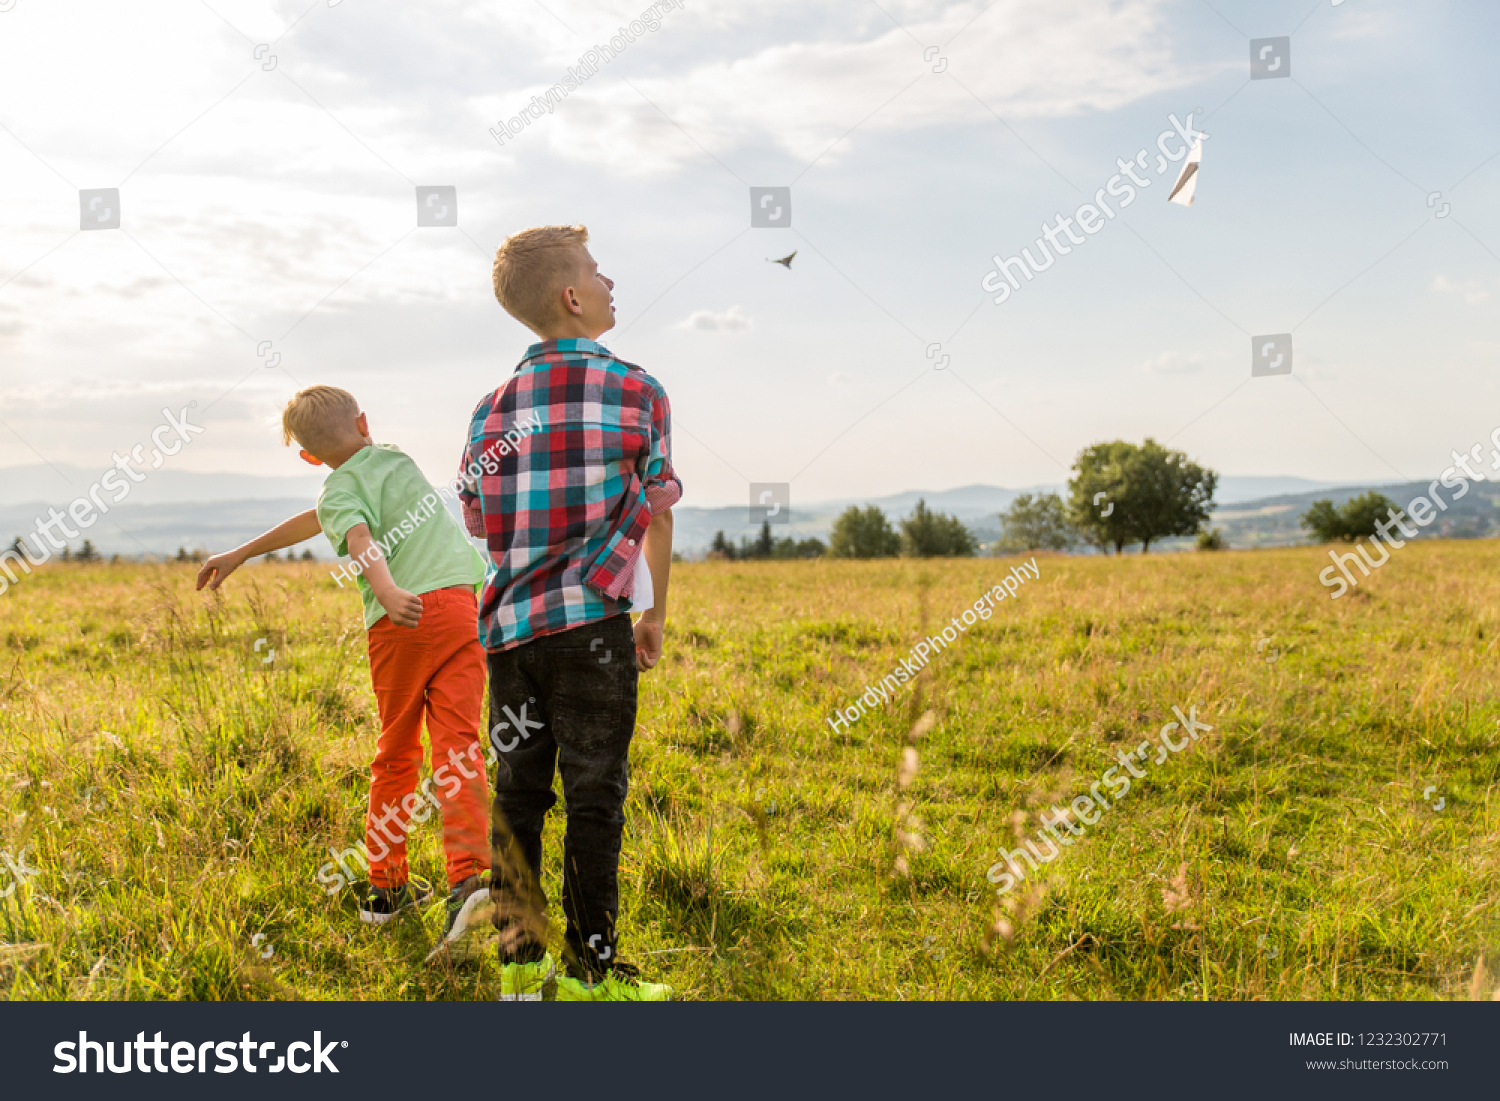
(268,194)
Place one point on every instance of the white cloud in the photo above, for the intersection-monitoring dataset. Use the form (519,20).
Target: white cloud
(1173,363)
(1021,59)
(726,321)
(1472,289)
(1355,21)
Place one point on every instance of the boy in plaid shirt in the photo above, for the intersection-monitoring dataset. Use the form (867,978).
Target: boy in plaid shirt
(576,512)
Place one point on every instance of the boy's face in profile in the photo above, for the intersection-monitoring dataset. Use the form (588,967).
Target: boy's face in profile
(593,295)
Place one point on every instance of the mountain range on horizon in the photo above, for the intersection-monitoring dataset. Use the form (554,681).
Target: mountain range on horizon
(47,484)
(173,509)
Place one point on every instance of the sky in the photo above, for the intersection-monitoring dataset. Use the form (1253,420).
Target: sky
(268,156)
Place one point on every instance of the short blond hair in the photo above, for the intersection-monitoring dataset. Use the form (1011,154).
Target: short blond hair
(531,269)
(319,418)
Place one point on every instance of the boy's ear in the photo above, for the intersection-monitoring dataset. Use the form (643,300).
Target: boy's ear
(570,302)
(362,422)
(309,457)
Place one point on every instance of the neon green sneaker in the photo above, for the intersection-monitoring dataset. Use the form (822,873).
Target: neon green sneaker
(622,984)
(523,982)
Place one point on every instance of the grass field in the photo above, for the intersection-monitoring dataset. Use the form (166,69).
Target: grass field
(176,794)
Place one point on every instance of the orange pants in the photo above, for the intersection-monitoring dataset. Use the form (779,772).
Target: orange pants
(438,669)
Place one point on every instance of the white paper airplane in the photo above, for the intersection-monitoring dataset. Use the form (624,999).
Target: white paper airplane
(1187,179)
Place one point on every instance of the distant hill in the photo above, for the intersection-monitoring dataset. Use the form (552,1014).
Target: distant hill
(57,485)
(173,509)
(1274,521)
(979,506)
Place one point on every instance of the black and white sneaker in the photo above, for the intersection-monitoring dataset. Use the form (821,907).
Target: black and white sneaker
(384,903)
(470,908)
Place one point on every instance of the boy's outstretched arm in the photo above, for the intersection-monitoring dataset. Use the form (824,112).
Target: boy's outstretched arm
(657,549)
(288,533)
(404,608)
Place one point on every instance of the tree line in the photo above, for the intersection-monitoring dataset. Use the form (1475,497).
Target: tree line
(88,553)
(1120,494)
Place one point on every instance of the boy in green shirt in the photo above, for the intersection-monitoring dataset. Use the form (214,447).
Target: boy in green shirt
(418,576)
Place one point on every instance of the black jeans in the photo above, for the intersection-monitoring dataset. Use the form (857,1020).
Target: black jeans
(567,702)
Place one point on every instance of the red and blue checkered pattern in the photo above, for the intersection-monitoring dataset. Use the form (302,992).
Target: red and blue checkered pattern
(565,513)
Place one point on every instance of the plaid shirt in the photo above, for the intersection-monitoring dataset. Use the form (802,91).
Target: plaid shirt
(564,508)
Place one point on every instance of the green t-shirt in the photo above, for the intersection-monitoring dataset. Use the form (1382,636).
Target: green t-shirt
(421,542)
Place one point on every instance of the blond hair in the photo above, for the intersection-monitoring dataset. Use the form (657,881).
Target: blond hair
(319,418)
(531,269)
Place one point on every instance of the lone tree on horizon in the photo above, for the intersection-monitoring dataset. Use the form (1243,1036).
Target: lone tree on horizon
(1356,519)
(1143,494)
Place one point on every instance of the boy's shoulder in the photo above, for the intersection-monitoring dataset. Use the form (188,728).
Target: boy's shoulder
(377,458)
(373,464)
(380,477)
(607,361)
(529,384)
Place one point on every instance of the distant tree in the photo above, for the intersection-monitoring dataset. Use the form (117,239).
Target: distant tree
(1036,523)
(928,534)
(1096,493)
(271,557)
(863,533)
(87,553)
(721,548)
(182,555)
(1147,492)
(67,555)
(764,544)
(307,555)
(1211,540)
(1323,520)
(1355,520)
(787,548)
(749,549)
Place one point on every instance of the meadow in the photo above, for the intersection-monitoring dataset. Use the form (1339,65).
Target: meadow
(176,792)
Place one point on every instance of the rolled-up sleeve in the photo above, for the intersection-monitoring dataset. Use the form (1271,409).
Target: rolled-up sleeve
(470,498)
(662,487)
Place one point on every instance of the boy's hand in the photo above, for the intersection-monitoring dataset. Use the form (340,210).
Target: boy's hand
(217,568)
(404,608)
(647,641)
(285,534)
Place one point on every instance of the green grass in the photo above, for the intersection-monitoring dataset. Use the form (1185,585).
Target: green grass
(178,795)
